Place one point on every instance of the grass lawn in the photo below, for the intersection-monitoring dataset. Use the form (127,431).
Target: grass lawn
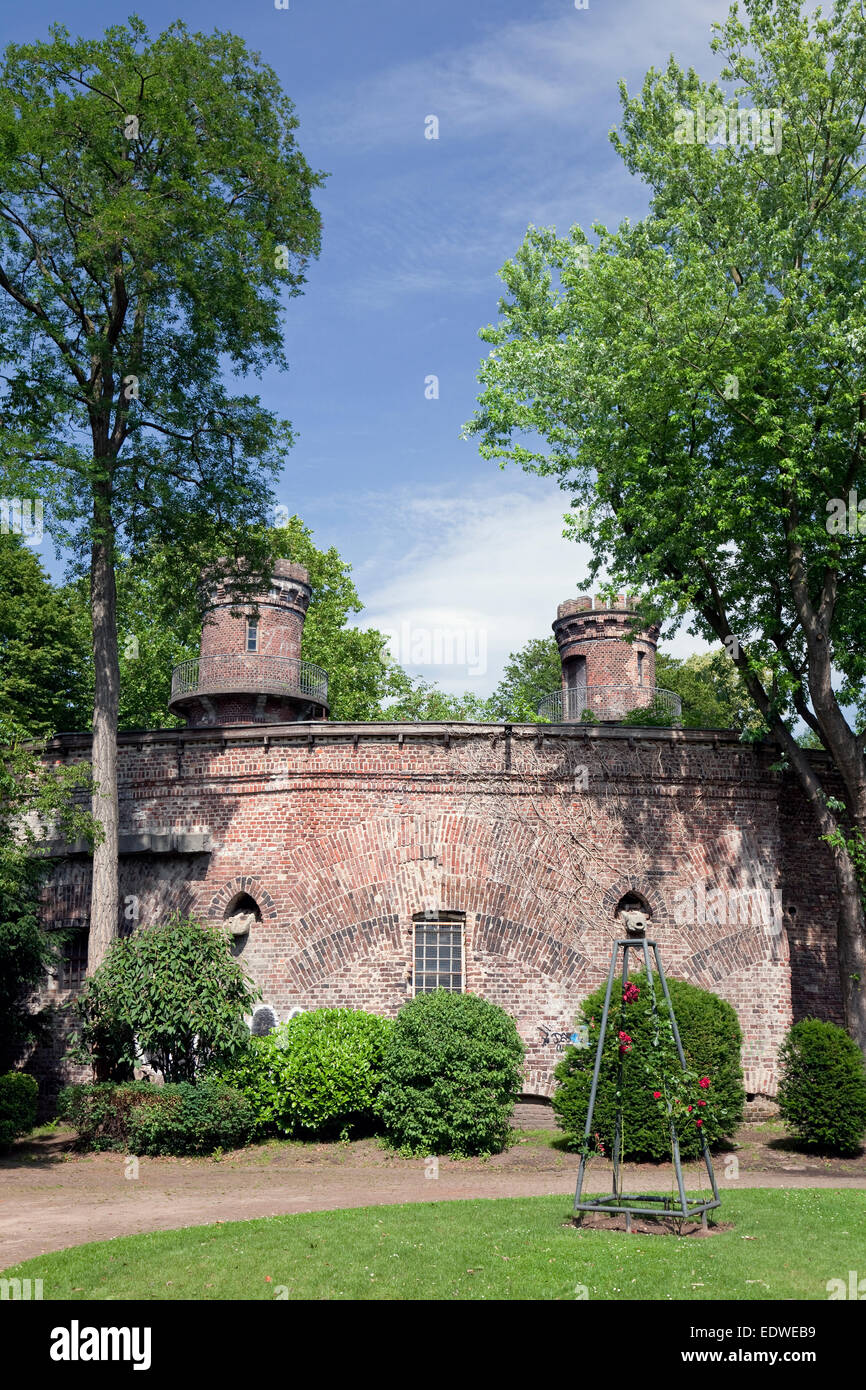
(784,1245)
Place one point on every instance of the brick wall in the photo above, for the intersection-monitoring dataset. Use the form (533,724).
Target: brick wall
(343,833)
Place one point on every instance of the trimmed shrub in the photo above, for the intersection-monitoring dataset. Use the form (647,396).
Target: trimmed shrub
(711,1038)
(172,992)
(317,1075)
(99,1111)
(187,1119)
(139,1117)
(19,1096)
(822,1092)
(453,1070)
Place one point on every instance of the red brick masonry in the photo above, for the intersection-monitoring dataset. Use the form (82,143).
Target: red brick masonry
(341,834)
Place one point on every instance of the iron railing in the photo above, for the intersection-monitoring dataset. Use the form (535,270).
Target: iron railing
(236,673)
(613,702)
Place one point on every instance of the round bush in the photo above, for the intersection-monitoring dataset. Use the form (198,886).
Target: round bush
(19,1095)
(453,1070)
(822,1091)
(318,1074)
(711,1038)
(188,1119)
(99,1111)
(142,1118)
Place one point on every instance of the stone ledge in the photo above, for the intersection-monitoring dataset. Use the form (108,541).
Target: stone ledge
(159,842)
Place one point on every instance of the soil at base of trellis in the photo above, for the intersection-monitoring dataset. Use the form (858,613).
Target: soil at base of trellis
(642,1226)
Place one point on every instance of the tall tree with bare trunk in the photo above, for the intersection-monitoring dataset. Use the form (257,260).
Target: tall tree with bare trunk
(155,211)
(696,381)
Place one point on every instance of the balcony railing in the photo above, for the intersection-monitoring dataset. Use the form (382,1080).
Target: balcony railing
(236,673)
(613,702)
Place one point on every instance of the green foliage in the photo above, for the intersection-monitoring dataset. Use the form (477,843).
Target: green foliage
(19,1097)
(40,658)
(99,1111)
(711,1039)
(172,992)
(421,701)
(654,715)
(822,1091)
(186,1119)
(318,1074)
(530,673)
(711,688)
(38,801)
(453,1070)
(141,1118)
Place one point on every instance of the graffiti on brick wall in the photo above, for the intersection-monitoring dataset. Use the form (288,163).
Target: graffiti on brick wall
(578,1037)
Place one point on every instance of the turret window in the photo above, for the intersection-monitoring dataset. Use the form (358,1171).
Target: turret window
(252,637)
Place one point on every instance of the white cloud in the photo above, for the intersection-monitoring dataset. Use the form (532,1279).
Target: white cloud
(543,69)
(474,576)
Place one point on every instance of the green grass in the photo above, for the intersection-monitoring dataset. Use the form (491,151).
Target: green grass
(784,1245)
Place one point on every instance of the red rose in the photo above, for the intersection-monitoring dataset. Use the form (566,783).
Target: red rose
(704,1083)
(690,1109)
(699,1122)
(657,1095)
(702,1102)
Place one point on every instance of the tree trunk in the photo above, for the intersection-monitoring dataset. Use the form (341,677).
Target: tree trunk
(851,927)
(104,908)
(851,949)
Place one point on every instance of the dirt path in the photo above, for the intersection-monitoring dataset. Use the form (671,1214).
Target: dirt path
(51,1198)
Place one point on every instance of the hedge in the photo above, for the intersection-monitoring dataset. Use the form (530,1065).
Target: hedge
(453,1070)
(711,1038)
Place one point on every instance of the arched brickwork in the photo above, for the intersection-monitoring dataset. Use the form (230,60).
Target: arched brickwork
(234,888)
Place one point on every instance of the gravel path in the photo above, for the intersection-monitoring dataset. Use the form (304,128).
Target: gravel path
(51,1198)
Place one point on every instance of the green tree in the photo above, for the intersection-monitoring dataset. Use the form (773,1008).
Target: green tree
(696,382)
(420,701)
(154,213)
(530,673)
(173,992)
(38,801)
(39,656)
(713,693)
(159,625)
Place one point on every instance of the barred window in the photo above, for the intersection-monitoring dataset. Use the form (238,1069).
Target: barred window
(438,951)
(73,966)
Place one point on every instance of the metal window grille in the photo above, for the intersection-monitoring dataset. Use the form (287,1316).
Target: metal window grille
(439,952)
(74,963)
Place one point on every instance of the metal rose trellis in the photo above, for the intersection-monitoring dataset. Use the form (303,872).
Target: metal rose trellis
(655,1204)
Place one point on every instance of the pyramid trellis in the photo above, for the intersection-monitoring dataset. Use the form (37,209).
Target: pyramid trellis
(656,1204)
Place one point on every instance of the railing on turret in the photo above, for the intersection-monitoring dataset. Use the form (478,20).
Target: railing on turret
(256,674)
(609,702)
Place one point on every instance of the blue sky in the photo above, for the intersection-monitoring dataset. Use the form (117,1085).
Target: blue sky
(414,231)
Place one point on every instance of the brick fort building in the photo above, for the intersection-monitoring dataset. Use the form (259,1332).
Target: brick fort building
(357,864)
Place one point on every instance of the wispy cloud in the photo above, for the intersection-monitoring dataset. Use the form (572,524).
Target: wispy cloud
(479,572)
(547,69)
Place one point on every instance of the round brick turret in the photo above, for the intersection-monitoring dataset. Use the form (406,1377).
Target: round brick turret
(604,676)
(592,645)
(250,670)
